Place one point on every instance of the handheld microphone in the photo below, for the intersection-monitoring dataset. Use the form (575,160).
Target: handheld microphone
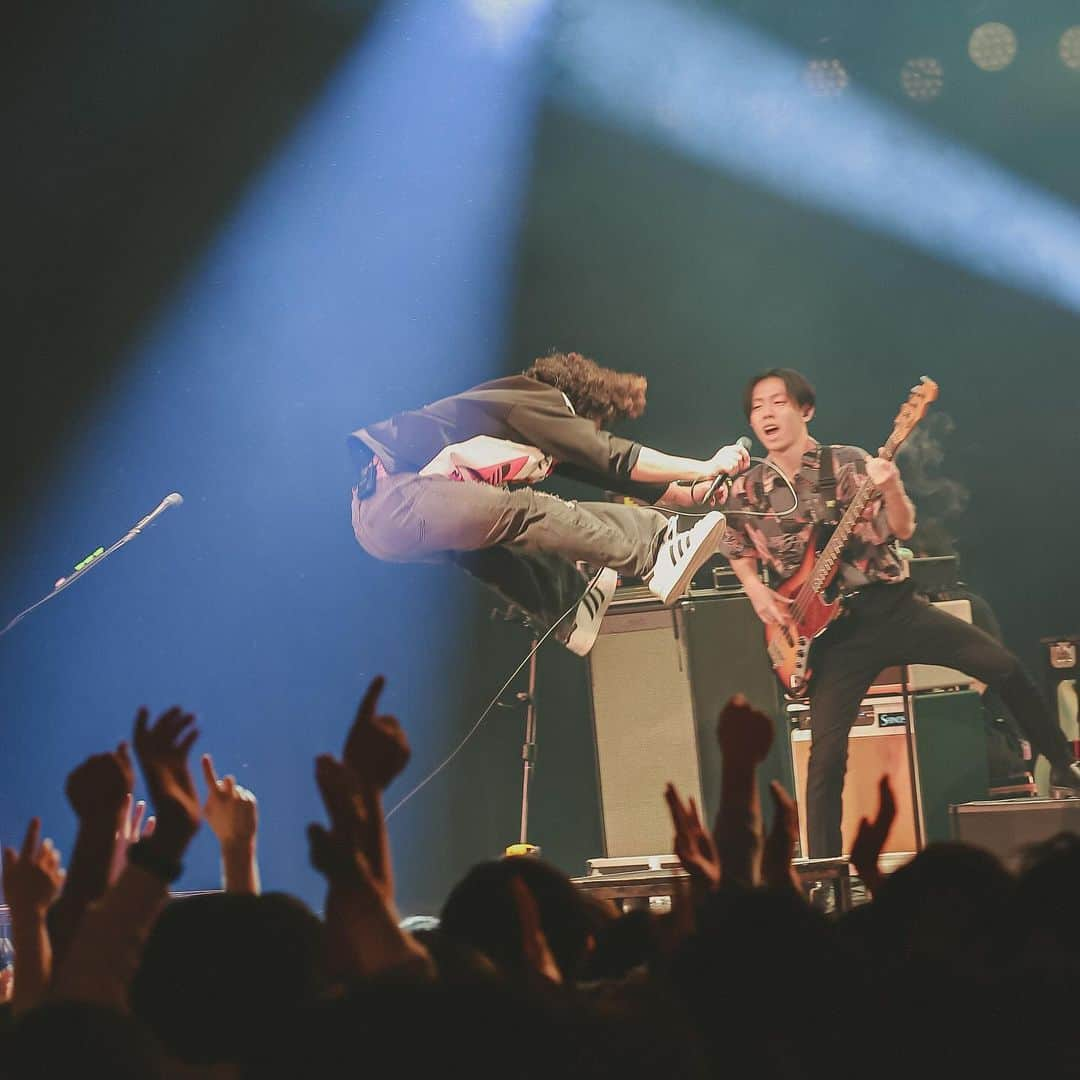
(174,499)
(98,555)
(746,444)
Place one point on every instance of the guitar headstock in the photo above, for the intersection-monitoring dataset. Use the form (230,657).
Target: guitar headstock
(911,412)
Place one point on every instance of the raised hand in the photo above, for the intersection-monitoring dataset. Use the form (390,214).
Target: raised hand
(231,811)
(744,733)
(870,838)
(362,932)
(134,826)
(32,880)
(33,875)
(162,749)
(343,853)
(782,841)
(376,748)
(99,791)
(97,788)
(693,843)
(233,814)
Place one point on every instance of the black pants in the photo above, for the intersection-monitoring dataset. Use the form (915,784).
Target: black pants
(886,625)
(522,543)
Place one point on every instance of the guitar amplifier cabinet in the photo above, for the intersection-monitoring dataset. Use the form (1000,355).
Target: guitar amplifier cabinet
(949,750)
(658,679)
(1006,827)
(877,746)
(643,725)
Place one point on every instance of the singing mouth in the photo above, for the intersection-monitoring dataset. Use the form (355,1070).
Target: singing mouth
(770,429)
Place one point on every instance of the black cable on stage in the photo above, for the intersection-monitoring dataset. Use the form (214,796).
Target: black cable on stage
(494,701)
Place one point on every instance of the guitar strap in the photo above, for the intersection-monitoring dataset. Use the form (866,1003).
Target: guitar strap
(827,487)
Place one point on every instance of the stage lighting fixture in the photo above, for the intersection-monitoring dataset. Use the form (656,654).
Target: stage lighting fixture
(505,15)
(1069,48)
(826,78)
(992,46)
(922,78)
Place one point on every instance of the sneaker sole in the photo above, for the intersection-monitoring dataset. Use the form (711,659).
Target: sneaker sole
(705,552)
(580,642)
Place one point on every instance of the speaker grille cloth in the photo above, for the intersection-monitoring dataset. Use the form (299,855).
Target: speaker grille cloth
(645,734)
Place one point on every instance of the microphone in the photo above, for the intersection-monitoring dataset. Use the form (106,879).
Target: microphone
(98,555)
(745,443)
(173,499)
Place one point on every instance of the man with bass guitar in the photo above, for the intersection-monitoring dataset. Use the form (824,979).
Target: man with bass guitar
(830,554)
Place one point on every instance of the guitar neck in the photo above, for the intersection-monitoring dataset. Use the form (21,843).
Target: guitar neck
(830,554)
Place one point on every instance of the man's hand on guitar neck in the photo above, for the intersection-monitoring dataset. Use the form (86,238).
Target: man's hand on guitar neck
(899,509)
(884,473)
(769,606)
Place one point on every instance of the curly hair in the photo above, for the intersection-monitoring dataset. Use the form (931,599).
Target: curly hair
(596,392)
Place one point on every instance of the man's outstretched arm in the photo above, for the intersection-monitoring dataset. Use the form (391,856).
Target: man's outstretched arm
(656,467)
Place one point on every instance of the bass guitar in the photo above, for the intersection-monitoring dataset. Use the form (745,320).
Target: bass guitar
(811,612)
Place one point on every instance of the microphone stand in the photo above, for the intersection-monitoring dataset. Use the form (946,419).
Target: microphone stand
(92,560)
(528,747)
(528,756)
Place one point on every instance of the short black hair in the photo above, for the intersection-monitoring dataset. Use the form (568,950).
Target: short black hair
(799,387)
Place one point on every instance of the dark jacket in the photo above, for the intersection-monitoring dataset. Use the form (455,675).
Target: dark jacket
(518,409)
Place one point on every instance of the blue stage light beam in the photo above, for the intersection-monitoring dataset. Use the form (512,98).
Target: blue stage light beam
(368,268)
(704,83)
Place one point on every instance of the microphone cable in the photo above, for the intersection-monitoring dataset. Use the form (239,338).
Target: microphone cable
(495,700)
(753,513)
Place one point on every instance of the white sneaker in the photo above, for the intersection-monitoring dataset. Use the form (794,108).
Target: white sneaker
(590,612)
(682,554)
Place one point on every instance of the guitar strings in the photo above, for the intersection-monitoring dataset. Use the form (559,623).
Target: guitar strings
(806,592)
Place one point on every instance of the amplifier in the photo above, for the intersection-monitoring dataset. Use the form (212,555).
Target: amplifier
(949,751)
(934,574)
(877,746)
(658,679)
(643,726)
(1006,827)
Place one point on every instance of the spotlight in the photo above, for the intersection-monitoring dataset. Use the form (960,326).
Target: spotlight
(826,78)
(992,46)
(503,15)
(1069,48)
(922,78)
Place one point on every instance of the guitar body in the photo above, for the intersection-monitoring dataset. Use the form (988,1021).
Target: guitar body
(789,646)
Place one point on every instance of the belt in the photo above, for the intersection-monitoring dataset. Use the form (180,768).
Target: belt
(368,476)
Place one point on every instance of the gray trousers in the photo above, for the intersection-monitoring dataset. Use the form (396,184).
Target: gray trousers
(522,543)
